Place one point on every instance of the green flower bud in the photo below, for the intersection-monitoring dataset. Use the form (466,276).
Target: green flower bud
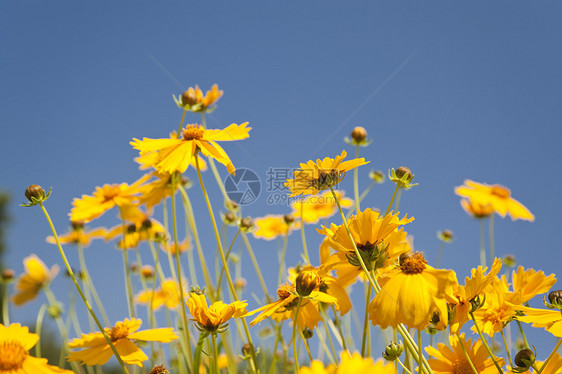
(246,224)
(377,176)
(392,351)
(445,236)
(555,300)
(307,333)
(524,359)
(36,195)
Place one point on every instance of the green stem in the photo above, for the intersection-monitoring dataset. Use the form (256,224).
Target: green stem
(356,182)
(71,273)
(366,322)
(39,328)
(225,264)
(282,258)
(397,202)
(420,352)
(392,199)
(90,284)
(294,337)
(338,324)
(126,269)
(305,341)
(304,246)
(550,356)
(5,304)
(256,266)
(325,323)
(181,122)
(485,343)
(198,350)
(185,326)
(404,367)
(215,354)
(507,350)
(227,255)
(482,243)
(466,354)
(523,334)
(491,237)
(440,253)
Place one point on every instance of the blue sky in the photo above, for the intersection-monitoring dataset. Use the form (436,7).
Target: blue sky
(451,90)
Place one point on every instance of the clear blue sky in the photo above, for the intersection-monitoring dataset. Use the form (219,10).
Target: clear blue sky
(451,90)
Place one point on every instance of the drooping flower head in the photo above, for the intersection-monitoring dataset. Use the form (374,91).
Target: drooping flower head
(168,294)
(411,293)
(15,343)
(177,154)
(498,197)
(97,351)
(273,226)
(37,275)
(453,360)
(213,318)
(192,99)
(315,208)
(78,235)
(140,226)
(313,177)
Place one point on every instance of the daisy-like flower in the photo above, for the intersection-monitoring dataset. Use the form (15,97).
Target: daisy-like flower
(550,319)
(97,351)
(474,286)
(528,282)
(15,343)
(315,208)
(313,177)
(184,246)
(350,364)
(168,294)
(372,234)
(193,99)
(78,235)
(453,361)
(105,198)
(141,227)
(477,209)
(37,275)
(499,197)
(177,154)
(213,318)
(148,160)
(272,226)
(411,293)
(286,306)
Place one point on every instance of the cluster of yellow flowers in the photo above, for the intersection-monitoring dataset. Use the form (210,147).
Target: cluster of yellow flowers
(402,291)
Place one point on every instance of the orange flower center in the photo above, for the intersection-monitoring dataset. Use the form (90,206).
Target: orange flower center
(284,291)
(414,264)
(500,191)
(119,331)
(109,192)
(462,367)
(193,132)
(12,355)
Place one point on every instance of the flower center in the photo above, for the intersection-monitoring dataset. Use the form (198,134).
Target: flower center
(119,331)
(462,367)
(414,264)
(192,132)
(284,291)
(12,355)
(109,192)
(500,191)
(326,179)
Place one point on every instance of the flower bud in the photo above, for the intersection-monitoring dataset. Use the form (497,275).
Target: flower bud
(134,267)
(55,310)
(7,275)
(445,236)
(306,282)
(377,176)
(392,351)
(525,358)
(402,177)
(289,219)
(246,223)
(229,218)
(35,194)
(240,283)
(247,349)
(403,171)
(147,271)
(359,134)
(159,369)
(555,300)
(307,333)
(189,97)
(509,261)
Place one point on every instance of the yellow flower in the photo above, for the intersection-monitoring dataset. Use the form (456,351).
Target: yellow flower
(350,364)
(168,294)
(497,196)
(15,343)
(148,160)
(477,209)
(453,361)
(105,198)
(474,286)
(313,177)
(529,283)
(176,154)
(184,246)
(411,293)
(36,276)
(315,208)
(285,307)
(550,319)
(78,235)
(193,99)
(212,318)
(141,227)
(98,351)
(272,226)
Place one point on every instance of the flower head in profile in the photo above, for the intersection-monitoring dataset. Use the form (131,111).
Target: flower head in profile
(140,227)
(37,275)
(79,235)
(168,295)
(97,351)
(171,155)
(411,293)
(15,343)
(214,318)
(105,198)
(550,319)
(315,208)
(477,209)
(453,360)
(498,197)
(313,177)
(192,99)
(350,364)
(273,226)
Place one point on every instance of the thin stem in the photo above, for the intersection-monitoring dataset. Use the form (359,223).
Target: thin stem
(491,237)
(90,284)
(482,243)
(523,334)
(215,354)
(404,367)
(5,304)
(325,323)
(366,322)
(466,354)
(304,246)
(420,352)
(126,270)
(225,263)
(294,337)
(507,350)
(255,263)
(485,343)
(198,349)
(305,341)
(181,122)
(392,199)
(356,182)
(178,270)
(88,306)
(39,328)
(338,324)
(282,258)
(440,253)
(397,202)
(227,255)
(550,356)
